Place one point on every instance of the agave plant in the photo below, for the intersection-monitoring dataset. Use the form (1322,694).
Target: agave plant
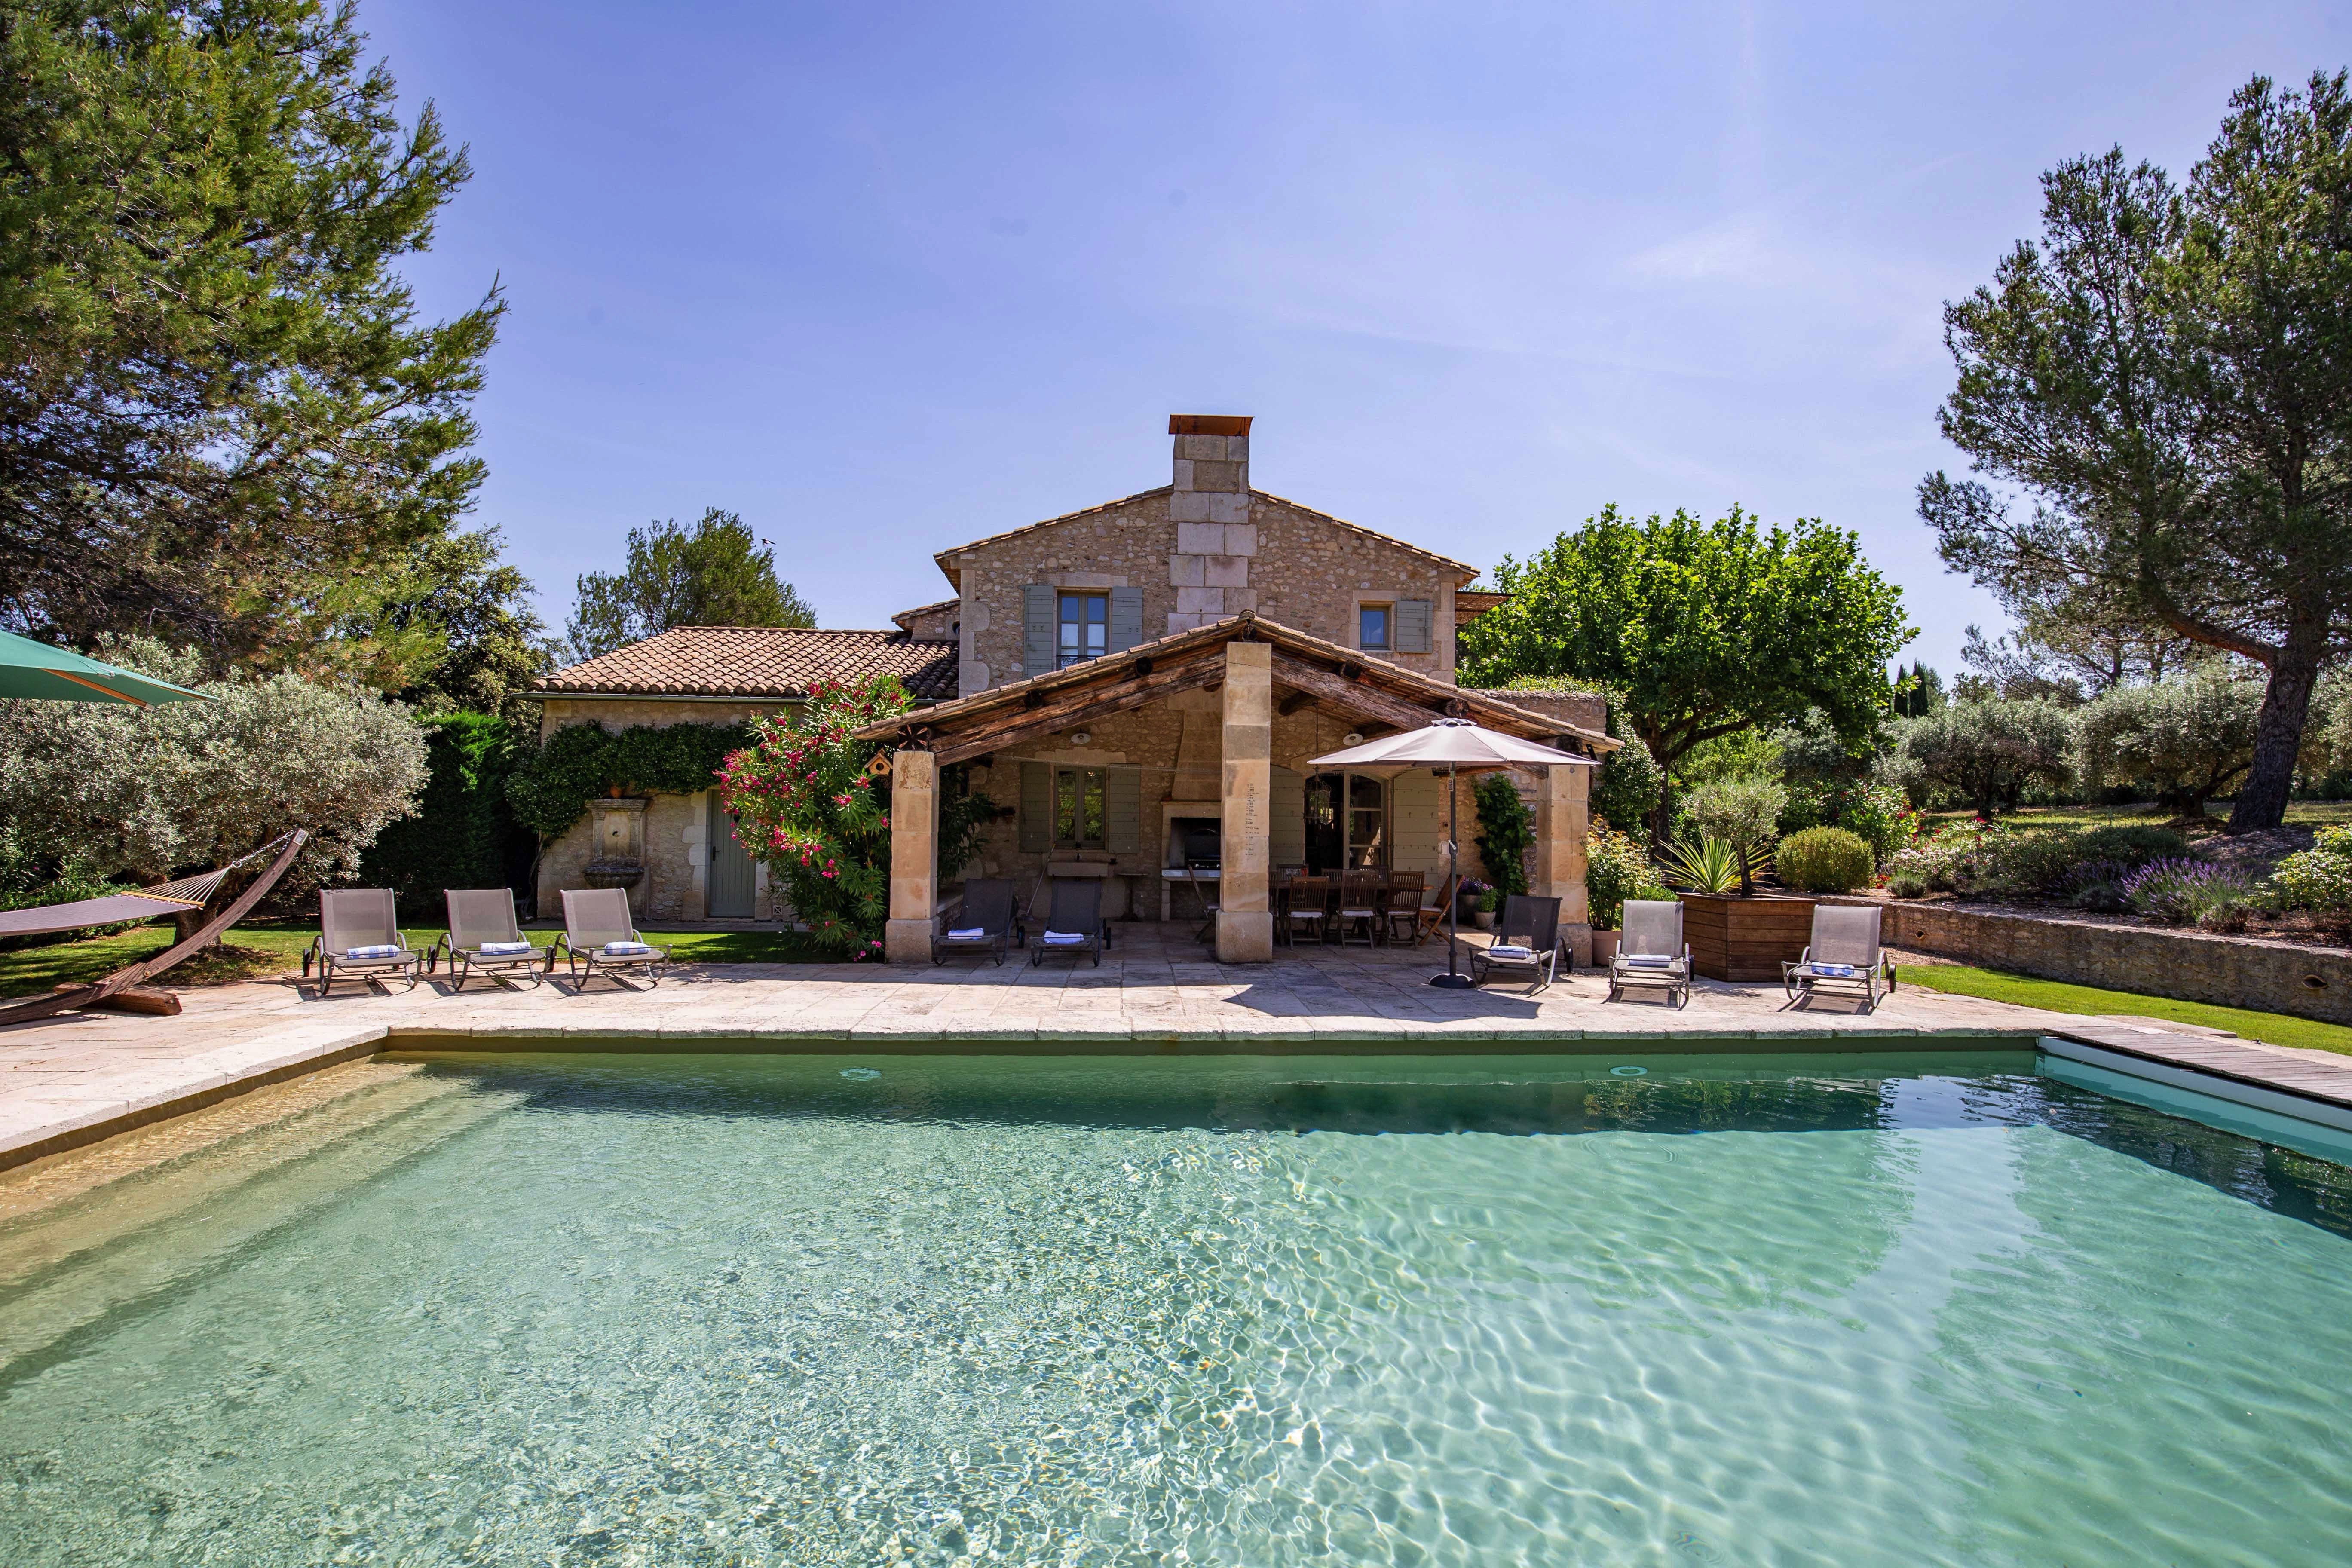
(1713,865)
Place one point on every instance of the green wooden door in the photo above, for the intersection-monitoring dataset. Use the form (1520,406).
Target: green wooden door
(728,885)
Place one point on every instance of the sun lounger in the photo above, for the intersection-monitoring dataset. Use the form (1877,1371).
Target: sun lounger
(984,923)
(1527,941)
(1074,923)
(484,938)
(1844,956)
(1652,951)
(358,934)
(599,934)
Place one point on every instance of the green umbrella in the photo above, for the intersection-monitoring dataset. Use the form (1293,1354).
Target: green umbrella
(28,668)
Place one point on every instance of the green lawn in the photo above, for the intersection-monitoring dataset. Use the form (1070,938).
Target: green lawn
(2299,814)
(2274,1028)
(251,952)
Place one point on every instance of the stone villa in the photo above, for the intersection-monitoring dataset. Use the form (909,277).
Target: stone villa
(1136,686)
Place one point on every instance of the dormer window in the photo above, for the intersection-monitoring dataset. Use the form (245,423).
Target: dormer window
(1374,626)
(1085,629)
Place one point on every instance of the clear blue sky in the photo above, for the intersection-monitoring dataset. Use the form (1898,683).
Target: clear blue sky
(885,277)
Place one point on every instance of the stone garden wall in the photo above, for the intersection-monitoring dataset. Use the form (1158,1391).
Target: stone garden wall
(2192,966)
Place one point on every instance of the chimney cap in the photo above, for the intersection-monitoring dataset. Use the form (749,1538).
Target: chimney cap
(1208,424)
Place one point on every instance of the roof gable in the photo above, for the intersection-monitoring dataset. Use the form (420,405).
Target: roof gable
(1158,661)
(945,558)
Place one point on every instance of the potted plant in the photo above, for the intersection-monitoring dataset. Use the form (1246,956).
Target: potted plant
(1615,869)
(1736,933)
(1490,903)
(1466,899)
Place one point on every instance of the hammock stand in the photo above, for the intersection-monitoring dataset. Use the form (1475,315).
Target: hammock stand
(186,893)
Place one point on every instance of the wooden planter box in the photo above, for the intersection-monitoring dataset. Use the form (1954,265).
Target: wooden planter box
(1737,938)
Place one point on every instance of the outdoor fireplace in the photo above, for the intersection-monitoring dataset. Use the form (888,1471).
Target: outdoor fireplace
(1194,841)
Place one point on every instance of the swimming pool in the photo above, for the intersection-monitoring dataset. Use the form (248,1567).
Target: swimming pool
(1311,1309)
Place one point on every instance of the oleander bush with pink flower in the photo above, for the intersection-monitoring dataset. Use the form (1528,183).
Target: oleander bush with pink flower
(806,804)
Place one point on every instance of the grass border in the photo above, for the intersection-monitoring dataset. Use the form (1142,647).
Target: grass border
(2059,996)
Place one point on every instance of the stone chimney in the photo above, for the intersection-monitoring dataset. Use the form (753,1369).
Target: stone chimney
(1210,505)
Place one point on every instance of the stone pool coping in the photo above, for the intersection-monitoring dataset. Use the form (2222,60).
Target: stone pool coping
(77,1079)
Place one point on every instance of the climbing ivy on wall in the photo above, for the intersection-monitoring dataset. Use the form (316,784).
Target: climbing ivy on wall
(550,788)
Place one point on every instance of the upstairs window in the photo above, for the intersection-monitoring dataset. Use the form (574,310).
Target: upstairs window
(1373,625)
(1085,629)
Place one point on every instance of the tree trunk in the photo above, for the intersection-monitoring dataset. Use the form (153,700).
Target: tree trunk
(2278,731)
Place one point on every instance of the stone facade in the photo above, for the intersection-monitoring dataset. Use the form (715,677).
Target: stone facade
(676,848)
(1206,547)
(2227,971)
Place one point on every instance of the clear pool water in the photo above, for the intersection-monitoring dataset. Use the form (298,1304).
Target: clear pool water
(749,1309)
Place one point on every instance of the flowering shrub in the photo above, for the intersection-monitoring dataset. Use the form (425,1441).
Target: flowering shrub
(1941,862)
(2181,890)
(805,803)
(2318,878)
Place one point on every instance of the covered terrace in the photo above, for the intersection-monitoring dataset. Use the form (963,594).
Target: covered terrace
(1093,765)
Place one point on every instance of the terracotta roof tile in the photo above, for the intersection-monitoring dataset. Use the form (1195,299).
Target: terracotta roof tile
(757,661)
(941,607)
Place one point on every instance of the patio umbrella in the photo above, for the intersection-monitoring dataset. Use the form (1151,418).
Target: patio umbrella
(28,668)
(1459,746)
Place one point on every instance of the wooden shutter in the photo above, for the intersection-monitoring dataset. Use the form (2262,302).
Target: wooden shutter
(1288,809)
(1123,810)
(1414,618)
(1037,628)
(1417,822)
(1036,808)
(1125,618)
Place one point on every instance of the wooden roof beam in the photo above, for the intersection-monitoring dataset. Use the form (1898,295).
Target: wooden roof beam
(1349,696)
(1079,707)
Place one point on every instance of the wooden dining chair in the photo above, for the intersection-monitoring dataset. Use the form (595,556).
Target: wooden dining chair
(1307,908)
(1401,908)
(1360,907)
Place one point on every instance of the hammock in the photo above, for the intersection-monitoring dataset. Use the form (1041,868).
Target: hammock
(145,903)
(164,898)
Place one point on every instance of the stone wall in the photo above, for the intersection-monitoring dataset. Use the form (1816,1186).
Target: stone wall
(1578,710)
(2192,966)
(1245,550)
(675,851)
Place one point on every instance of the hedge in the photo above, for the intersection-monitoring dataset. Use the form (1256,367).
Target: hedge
(463,833)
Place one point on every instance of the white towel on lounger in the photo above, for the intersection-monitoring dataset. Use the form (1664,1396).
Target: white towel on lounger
(625,949)
(1511,950)
(1835,970)
(392,949)
(1063,939)
(1649,961)
(969,933)
(503,948)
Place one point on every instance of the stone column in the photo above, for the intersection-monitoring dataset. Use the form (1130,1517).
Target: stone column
(1563,818)
(1245,846)
(914,856)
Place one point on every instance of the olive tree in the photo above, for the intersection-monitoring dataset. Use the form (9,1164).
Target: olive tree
(1983,753)
(2180,742)
(148,794)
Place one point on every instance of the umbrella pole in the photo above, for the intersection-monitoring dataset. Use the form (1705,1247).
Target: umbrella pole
(1452,980)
